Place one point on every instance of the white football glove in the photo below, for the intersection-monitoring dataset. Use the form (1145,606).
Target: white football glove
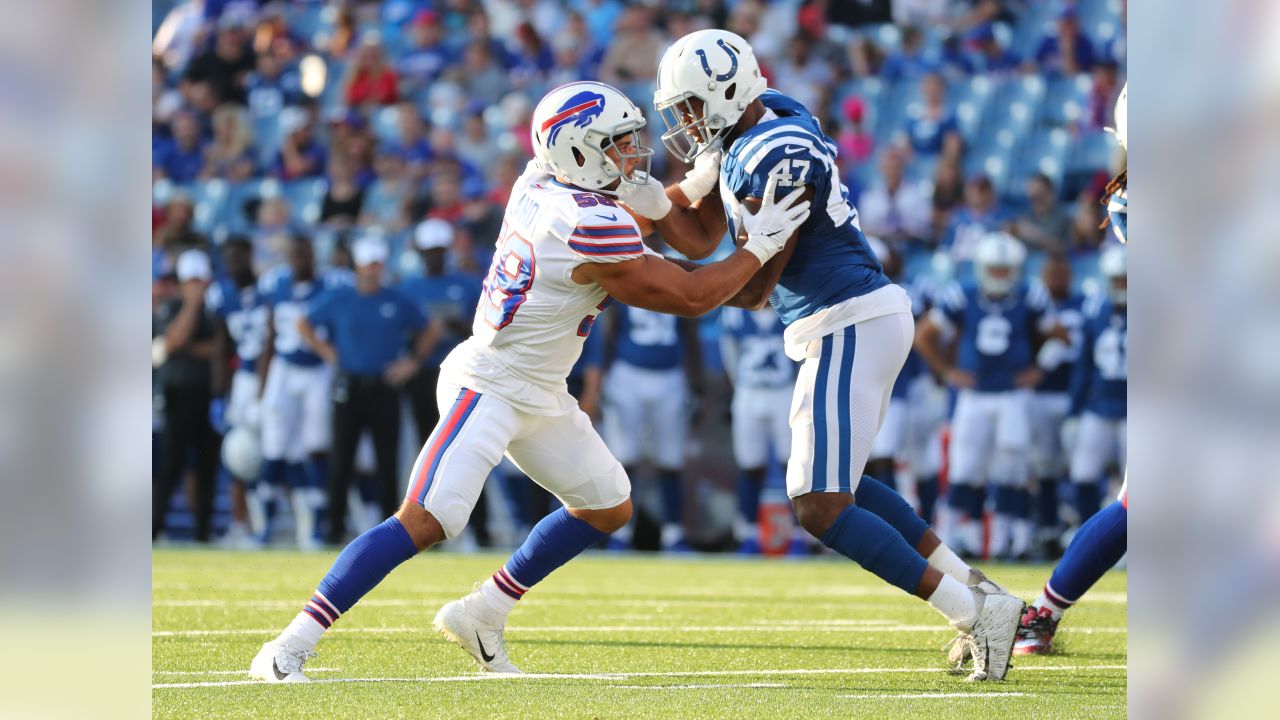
(699,181)
(773,224)
(648,200)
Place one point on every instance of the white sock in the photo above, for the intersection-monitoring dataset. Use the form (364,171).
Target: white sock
(1021,537)
(1000,527)
(496,600)
(948,563)
(303,633)
(956,602)
(1044,601)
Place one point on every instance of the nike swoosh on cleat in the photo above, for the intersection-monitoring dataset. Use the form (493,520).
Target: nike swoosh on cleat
(276,669)
(607,217)
(487,657)
(791,149)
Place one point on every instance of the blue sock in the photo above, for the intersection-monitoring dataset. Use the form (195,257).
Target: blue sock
(555,540)
(749,486)
(1088,497)
(864,538)
(273,472)
(672,497)
(1022,504)
(317,471)
(1096,548)
(967,500)
(1047,503)
(1006,500)
(927,491)
(361,565)
(876,497)
(295,474)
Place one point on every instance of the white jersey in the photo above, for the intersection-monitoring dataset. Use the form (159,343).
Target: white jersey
(533,318)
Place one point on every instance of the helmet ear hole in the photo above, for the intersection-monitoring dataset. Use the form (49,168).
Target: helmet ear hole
(577,156)
(730,91)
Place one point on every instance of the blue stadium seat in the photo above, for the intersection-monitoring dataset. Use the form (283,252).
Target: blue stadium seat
(266,138)
(210,199)
(386,123)
(892,107)
(994,162)
(970,100)
(306,198)
(1067,99)
(1045,152)
(1094,152)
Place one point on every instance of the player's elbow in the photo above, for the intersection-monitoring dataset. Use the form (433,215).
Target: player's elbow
(701,252)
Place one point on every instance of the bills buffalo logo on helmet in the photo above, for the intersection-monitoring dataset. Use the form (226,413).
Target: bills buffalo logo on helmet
(579,110)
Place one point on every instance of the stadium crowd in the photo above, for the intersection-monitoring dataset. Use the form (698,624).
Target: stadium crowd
(310,141)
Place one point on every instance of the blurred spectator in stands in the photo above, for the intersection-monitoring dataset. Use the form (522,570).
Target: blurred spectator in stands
(1044,224)
(444,198)
(300,156)
(411,143)
(273,35)
(349,136)
(931,129)
(226,65)
(272,231)
(343,199)
(502,177)
(1086,233)
(480,75)
(803,77)
(600,15)
(632,56)
(980,214)
(272,86)
(855,143)
(176,39)
(577,52)
(229,157)
(1116,48)
(343,37)
(921,13)
(988,56)
(174,230)
(895,209)
(948,193)
(181,157)
(1067,51)
(182,336)
(909,61)
(976,12)
(531,57)
(386,201)
(369,81)
(474,145)
(203,99)
(165,100)
(1102,96)
(865,57)
(427,56)
(954,63)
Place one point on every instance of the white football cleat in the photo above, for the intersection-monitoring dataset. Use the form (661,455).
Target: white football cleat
(458,622)
(959,652)
(278,662)
(991,639)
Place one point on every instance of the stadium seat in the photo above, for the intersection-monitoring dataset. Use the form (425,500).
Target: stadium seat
(386,123)
(210,199)
(266,138)
(1094,152)
(305,198)
(1067,99)
(1045,152)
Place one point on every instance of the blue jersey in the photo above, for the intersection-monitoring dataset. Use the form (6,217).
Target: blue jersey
(245,314)
(832,261)
(647,339)
(288,301)
(1070,315)
(997,336)
(369,331)
(1100,383)
(760,360)
(452,298)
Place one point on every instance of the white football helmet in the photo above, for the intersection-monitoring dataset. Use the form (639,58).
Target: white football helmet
(573,127)
(242,453)
(997,262)
(1114,266)
(715,67)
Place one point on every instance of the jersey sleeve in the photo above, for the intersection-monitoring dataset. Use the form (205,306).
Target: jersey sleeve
(598,231)
(1043,316)
(795,157)
(321,309)
(947,311)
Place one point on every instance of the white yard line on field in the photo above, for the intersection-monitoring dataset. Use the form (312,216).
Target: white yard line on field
(814,626)
(628,675)
(228,672)
(931,696)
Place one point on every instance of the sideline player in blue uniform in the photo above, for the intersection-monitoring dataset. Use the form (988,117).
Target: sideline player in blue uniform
(997,326)
(1103,540)
(653,370)
(239,332)
(845,319)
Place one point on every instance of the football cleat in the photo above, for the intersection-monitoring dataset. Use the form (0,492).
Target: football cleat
(459,622)
(1035,632)
(991,639)
(278,662)
(958,652)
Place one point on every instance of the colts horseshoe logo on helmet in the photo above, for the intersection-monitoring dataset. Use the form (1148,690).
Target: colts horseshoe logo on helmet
(733,58)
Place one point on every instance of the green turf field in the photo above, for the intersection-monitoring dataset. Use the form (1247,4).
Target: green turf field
(613,636)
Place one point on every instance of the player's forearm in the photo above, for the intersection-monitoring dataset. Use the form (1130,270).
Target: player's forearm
(683,229)
(926,343)
(710,286)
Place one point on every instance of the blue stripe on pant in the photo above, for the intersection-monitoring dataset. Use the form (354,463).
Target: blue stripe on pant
(837,353)
(820,417)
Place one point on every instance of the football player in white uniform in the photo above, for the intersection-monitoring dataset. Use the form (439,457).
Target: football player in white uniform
(565,248)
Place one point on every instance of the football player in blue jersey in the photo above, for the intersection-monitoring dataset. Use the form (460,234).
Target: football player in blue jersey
(654,372)
(845,319)
(1051,401)
(239,331)
(762,376)
(997,326)
(1097,386)
(295,387)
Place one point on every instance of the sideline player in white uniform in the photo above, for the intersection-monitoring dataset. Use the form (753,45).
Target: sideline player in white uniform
(1104,539)
(850,325)
(296,382)
(565,247)
(756,361)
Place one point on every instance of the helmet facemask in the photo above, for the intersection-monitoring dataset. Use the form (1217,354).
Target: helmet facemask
(616,170)
(997,279)
(689,132)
